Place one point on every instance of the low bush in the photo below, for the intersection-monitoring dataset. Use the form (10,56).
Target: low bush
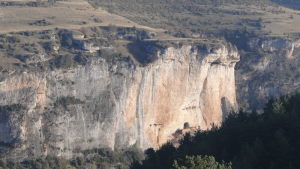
(66,101)
(63,61)
(97,20)
(14,107)
(42,22)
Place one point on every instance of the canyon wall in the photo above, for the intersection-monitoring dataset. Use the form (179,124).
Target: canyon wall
(270,68)
(269,45)
(120,103)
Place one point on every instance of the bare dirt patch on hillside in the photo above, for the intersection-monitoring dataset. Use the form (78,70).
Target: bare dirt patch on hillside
(62,14)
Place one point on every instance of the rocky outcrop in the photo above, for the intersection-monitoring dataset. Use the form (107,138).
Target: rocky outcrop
(134,35)
(120,103)
(92,47)
(35,58)
(56,48)
(269,70)
(285,45)
(87,46)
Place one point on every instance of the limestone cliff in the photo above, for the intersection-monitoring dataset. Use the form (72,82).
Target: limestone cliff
(121,104)
(269,45)
(270,69)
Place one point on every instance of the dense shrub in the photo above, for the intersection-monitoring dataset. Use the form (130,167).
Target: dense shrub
(66,101)
(67,42)
(97,20)
(64,61)
(14,107)
(193,162)
(80,58)
(42,22)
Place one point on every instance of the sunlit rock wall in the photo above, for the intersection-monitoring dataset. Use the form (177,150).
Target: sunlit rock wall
(123,104)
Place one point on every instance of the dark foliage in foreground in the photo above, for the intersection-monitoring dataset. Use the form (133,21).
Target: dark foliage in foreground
(248,140)
(101,158)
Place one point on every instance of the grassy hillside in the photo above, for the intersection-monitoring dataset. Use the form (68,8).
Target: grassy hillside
(289,3)
(182,18)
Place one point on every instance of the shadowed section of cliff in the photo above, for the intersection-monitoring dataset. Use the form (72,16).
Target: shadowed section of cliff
(115,105)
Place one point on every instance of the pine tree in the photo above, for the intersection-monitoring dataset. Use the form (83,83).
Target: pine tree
(280,148)
(247,157)
(268,110)
(192,162)
(259,150)
(278,107)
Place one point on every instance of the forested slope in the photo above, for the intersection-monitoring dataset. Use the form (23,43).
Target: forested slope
(258,141)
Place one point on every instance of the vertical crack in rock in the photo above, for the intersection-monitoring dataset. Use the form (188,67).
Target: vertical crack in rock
(226,107)
(203,100)
(139,109)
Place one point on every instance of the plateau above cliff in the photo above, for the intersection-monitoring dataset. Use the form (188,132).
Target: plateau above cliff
(115,104)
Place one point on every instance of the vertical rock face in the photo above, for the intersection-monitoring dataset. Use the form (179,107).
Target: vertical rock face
(121,104)
(269,70)
(275,45)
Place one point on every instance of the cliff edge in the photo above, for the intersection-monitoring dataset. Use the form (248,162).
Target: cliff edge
(116,104)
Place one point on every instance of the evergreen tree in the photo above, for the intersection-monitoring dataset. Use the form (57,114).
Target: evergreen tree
(192,162)
(278,107)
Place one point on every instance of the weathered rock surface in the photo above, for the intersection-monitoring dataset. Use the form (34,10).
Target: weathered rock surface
(92,48)
(269,75)
(36,58)
(275,45)
(123,103)
(88,46)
